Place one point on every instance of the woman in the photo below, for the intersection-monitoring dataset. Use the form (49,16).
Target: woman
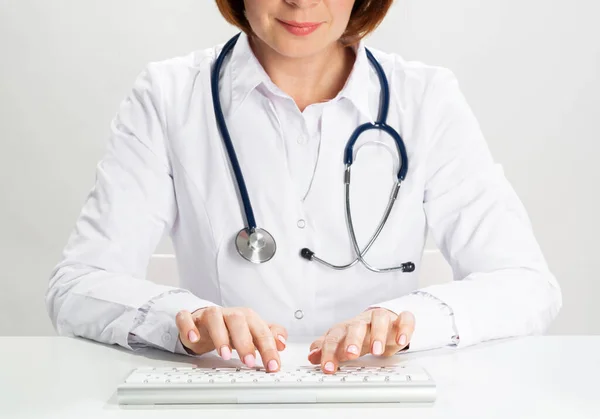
(295,86)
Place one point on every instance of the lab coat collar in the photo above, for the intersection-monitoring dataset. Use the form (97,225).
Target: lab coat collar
(247,74)
(357,86)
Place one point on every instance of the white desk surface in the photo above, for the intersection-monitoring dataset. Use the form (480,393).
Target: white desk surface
(533,377)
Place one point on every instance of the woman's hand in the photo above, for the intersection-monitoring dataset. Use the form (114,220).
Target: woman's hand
(226,329)
(376,331)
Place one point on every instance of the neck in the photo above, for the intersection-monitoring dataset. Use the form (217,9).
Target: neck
(307,80)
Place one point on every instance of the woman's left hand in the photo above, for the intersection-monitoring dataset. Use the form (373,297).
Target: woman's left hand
(376,331)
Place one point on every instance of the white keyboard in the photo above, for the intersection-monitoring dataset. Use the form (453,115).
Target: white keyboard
(395,383)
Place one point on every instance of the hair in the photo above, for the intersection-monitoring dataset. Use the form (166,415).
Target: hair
(365,17)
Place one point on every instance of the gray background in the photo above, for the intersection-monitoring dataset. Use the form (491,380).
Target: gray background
(529,68)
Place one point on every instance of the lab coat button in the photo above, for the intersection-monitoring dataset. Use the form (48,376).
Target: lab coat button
(302,139)
(299,314)
(166,337)
(301,223)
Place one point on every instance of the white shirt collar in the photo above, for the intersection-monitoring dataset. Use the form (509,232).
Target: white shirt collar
(247,74)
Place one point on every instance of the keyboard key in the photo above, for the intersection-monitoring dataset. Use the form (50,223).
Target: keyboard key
(287,379)
(179,379)
(353,379)
(220,379)
(396,378)
(418,376)
(330,378)
(377,379)
(135,379)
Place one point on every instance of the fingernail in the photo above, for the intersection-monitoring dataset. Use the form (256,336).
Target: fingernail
(353,349)
(225,352)
(281,339)
(377,348)
(272,365)
(192,336)
(402,340)
(249,360)
(313,351)
(329,367)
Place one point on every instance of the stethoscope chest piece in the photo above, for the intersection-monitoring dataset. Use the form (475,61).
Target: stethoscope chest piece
(256,246)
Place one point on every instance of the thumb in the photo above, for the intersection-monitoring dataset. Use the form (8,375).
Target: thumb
(314,355)
(280,334)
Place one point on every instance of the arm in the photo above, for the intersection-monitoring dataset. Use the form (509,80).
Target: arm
(98,290)
(502,286)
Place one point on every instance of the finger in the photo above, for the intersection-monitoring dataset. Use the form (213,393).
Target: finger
(380,323)
(329,362)
(188,332)
(212,319)
(264,342)
(355,336)
(406,326)
(280,334)
(241,338)
(314,356)
(317,344)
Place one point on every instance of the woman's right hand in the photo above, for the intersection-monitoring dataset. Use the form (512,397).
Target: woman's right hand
(225,329)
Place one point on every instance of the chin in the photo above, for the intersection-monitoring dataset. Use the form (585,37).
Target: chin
(296,51)
(294,47)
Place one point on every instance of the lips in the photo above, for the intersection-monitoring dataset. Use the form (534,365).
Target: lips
(300,28)
(300,24)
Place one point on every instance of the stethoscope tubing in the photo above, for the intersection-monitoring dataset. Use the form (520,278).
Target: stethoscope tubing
(222,125)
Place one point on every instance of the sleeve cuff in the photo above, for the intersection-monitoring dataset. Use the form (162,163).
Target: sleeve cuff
(180,349)
(434,320)
(155,324)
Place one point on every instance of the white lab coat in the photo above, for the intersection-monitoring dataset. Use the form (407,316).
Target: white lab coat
(166,170)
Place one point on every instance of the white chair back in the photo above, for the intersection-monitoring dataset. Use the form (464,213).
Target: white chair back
(434,269)
(162,269)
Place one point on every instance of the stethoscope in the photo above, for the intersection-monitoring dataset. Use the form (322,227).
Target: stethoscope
(258,245)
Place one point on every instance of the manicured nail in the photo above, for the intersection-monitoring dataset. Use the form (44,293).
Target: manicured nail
(313,351)
(329,367)
(281,339)
(353,349)
(272,365)
(377,348)
(192,336)
(249,360)
(225,352)
(402,340)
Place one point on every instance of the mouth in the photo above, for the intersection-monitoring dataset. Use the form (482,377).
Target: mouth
(300,28)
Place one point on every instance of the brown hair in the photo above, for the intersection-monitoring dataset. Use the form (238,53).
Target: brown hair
(365,17)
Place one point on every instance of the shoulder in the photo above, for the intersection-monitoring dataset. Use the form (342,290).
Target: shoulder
(180,68)
(414,78)
(169,85)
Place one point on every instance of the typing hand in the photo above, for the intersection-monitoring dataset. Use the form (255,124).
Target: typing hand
(376,331)
(226,329)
